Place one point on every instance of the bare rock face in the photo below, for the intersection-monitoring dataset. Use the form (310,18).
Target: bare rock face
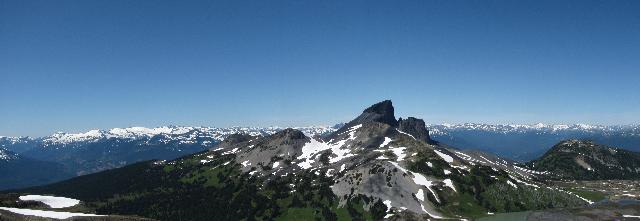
(416,127)
(381,112)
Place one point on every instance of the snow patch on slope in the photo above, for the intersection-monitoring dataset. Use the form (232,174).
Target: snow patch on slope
(444,156)
(311,149)
(385,142)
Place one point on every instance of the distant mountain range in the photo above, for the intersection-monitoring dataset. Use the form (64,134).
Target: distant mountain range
(70,155)
(373,167)
(519,142)
(98,150)
(203,136)
(527,142)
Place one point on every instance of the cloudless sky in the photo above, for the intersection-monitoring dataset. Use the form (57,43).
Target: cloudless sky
(79,65)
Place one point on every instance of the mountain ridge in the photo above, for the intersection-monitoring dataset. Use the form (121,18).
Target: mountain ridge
(370,169)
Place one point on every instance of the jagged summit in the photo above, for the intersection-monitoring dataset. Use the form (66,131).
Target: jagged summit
(381,112)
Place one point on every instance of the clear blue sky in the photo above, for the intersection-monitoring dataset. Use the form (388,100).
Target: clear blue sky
(78,65)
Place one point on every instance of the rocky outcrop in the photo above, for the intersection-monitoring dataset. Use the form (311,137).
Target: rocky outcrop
(416,127)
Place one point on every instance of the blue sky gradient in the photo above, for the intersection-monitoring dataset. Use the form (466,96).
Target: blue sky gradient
(79,65)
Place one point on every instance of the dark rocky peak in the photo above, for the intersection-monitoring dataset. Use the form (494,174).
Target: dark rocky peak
(381,112)
(416,127)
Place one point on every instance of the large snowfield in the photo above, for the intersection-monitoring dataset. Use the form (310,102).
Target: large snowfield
(46,214)
(52,201)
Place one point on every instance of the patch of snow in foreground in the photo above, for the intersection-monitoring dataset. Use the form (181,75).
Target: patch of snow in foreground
(385,142)
(399,152)
(444,156)
(311,149)
(631,216)
(51,201)
(420,195)
(421,180)
(388,204)
(418,179)
(46,214)
(449,183)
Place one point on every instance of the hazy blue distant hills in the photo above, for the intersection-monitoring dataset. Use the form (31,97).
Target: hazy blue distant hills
(527,142)
(19,171)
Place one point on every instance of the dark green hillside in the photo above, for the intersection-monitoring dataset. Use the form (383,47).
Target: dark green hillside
(587,160)
(189,190)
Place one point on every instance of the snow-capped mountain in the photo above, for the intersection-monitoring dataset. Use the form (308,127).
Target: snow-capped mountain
(180,134)
(98,150)
(375,167)
(527,142)
(17,144)
(445,129)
